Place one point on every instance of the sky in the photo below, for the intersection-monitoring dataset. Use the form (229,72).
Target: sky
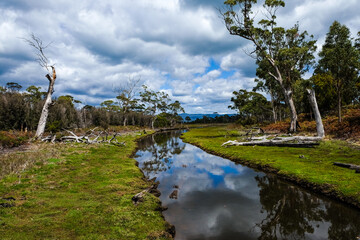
(180,47)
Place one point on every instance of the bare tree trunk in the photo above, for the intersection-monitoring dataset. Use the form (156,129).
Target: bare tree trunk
(273,107)
(287,94)
(291,105)
(45,110)
(125,120)
(319,125)
(153,121)
(339,105)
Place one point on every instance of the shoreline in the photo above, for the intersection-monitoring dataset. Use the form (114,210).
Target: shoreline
(98,178)
(321,189)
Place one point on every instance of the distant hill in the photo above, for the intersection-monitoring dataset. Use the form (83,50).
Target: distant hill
(197,116)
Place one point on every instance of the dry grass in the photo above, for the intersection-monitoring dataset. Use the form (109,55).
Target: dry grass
(17,161)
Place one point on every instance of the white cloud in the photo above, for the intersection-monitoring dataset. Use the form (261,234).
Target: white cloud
(169,43)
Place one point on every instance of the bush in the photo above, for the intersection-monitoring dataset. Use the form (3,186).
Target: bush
(14,139)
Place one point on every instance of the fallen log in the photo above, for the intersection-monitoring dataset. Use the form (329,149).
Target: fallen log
(139,197)
(348,165)
(303,141)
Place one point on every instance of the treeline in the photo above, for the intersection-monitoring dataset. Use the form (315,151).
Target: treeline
(335,79)
(20,110)
(217,119)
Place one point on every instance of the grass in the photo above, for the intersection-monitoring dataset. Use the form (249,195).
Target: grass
(80,192)
(312,165)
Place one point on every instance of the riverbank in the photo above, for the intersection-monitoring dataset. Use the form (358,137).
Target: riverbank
(79,191)
(311,168)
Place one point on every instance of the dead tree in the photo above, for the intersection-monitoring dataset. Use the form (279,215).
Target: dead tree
(319,125)
(43,61)
(302,141)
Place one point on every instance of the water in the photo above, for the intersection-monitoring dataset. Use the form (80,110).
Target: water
(219,199)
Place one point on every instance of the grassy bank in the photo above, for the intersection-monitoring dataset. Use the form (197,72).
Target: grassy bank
(309,167)
(79,192)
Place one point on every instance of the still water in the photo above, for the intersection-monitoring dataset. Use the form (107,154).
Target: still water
(219,199)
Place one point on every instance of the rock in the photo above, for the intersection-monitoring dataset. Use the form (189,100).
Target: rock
(170,229)
(155,192)
(174,194)
(161,208)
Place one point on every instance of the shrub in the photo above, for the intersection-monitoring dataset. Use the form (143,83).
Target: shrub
(12,139)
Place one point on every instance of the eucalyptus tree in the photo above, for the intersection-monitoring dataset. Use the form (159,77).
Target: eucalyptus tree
(174,109)
(126,97)
(44,62)
(268,84)
(251,106)
(289,52)
(153,102)
(339,58)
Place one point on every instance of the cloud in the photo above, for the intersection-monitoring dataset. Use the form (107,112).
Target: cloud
(170,44)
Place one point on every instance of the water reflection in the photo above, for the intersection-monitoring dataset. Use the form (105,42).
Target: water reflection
(218,199)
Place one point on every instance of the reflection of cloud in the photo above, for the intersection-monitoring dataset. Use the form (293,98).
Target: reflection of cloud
(221,200)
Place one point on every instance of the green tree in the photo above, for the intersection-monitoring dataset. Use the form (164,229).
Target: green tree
(13,87)
(289,52)
(153,102)
(126,97)
(251,106)
(340,59)
(174,109)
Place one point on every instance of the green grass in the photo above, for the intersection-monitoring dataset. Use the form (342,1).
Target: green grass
(316,166)
(83,193)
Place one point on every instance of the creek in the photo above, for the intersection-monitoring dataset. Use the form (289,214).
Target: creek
(215,198)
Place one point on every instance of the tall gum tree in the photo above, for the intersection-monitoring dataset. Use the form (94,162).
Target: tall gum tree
(288,51)
(339,58)
(38,45)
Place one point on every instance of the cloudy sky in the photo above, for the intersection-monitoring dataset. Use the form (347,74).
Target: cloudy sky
(178,46)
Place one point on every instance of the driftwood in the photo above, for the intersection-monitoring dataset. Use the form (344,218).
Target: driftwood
(139,197)
(86,138)
(348,165)
(302,141)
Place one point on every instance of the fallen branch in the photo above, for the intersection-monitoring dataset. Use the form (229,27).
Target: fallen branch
(139,197)
(85,138)
(278,141)
(348,165)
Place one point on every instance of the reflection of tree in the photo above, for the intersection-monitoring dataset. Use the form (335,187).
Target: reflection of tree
(345,223)
(162,147)
(291,213)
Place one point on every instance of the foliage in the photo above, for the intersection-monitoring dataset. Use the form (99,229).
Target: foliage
(251,106)
(21,110)
(12,139)
(339,59)
(349,128)
(283,54)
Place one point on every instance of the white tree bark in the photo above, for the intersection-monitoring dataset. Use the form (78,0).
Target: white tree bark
(319,125)
(45,111)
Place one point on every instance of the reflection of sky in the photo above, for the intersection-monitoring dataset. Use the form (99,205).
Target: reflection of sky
(217,199)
